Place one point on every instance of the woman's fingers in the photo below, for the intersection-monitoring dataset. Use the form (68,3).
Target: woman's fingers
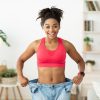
(77,80)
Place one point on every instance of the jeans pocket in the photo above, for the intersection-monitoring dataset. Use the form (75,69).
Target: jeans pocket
(67,91)
(68,88)
(68,85)
(34,89)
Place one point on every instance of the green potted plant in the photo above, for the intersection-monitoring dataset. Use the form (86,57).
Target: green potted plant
(87,43)
(3,36)
(9,76)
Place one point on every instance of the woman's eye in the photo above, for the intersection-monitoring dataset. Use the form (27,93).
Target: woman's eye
(52,27)
(47,27)
(55,26)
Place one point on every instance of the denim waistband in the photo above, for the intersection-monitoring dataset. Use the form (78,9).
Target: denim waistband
(68,84)
(35,81)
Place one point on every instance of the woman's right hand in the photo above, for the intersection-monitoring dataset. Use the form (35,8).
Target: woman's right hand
(23,81)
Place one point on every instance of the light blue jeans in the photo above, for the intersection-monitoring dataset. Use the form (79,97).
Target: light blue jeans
(59,91)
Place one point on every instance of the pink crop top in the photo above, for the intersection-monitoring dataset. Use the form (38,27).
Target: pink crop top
(50,58)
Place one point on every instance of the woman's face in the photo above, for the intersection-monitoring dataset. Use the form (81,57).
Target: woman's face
(51,28)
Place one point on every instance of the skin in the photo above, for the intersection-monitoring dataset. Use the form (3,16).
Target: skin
(51,28)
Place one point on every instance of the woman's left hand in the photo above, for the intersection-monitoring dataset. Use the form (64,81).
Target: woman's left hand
(77,79)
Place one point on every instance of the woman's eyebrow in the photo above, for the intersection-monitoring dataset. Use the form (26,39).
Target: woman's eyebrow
(53,24)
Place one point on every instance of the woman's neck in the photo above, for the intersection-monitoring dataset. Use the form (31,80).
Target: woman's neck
(48,40)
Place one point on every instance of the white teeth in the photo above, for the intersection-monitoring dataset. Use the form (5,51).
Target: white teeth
(51,33)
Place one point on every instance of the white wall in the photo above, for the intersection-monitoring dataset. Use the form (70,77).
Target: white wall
(18,20)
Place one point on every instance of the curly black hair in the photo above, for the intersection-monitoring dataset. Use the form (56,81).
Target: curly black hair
(52,12)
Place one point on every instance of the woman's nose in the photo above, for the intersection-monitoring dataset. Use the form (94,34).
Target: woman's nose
(51,30)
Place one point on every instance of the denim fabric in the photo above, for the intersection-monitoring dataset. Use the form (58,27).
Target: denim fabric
(60,91)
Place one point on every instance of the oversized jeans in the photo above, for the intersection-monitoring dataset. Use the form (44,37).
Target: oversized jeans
(60,91)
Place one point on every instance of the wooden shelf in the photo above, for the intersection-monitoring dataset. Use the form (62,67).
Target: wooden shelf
(92,12)
(91,21)
(92,32)
(91,52)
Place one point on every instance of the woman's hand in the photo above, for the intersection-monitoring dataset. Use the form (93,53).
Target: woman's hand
(77,79)
(23,81)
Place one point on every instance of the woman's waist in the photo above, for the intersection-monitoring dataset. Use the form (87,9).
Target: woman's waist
(67,83)
(51,79)
(51,75)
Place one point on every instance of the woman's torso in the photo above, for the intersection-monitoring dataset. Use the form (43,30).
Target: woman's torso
(50,75)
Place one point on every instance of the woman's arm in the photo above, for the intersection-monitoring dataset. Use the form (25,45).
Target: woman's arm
(72,52)
(20,63)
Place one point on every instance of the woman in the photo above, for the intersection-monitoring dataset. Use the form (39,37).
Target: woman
(51,55)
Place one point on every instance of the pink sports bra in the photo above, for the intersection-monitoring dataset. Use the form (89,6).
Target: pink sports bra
(51,58)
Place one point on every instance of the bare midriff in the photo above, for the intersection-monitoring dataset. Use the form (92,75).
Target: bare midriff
(51,75)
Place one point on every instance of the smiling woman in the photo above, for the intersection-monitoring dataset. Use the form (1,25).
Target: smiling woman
(51,27)
(51,57)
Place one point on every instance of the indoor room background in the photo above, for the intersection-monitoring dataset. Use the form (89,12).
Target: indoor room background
(18,21)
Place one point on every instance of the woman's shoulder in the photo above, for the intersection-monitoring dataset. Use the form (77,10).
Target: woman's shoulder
(67,44)
(37,41)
